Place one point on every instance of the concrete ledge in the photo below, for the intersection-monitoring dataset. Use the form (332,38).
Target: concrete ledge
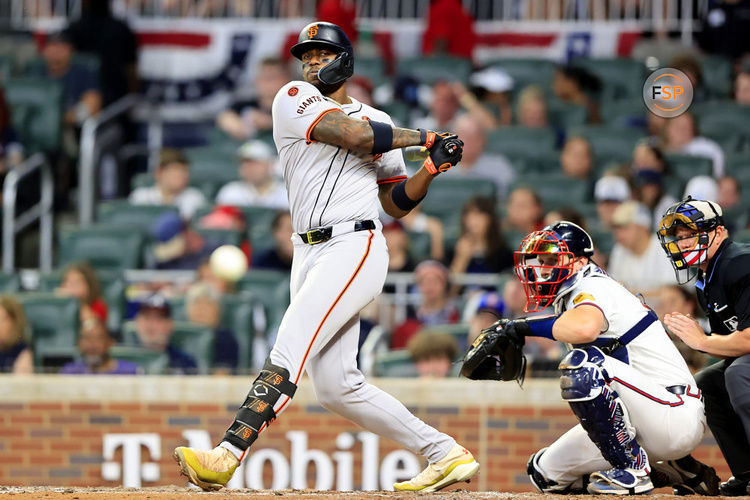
(232,390)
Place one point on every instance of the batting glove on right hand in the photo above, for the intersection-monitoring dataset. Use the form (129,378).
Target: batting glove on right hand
(445,150)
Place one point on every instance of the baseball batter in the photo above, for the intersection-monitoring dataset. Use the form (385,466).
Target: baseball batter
(339,157)
(624,379)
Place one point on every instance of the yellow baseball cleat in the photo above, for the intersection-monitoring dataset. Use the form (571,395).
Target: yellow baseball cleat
(210,470)
(458,465)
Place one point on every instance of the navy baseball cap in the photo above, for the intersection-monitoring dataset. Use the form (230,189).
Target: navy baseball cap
(491,302)
(166,226)
(154,302)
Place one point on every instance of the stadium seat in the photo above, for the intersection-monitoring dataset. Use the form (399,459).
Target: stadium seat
(603,240)
(614,143)
(624,112)
(556,190)
(53,321)
(513,238)
(9,283)
(458,331)
(449,192)
(104,247)
(195,340)
(400,113)
(563,115)
(723,121)
(149,362)
(396,363)
(6,67)
(742,236)
(271,289)
(685,167)
(738,166)
(37,67)
(620,77)
(218,237)
(433,69)
(527,72)
(419,245)
(258,220)
(372,68)
(112,288)
(717,76)
(521,141)
(547,162)
(36,108)
(122,213)
(237,315)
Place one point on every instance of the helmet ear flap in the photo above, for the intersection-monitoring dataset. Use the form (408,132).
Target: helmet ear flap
(337,70)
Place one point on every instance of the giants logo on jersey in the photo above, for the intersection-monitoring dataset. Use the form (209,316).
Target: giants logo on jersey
(307,102)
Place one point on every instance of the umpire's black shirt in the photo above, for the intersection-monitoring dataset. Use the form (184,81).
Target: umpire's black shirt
(724,288)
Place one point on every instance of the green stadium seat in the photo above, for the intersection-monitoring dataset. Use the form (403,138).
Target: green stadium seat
(400,113)
(513,238)
(36,108)
(372,68)
(271,289)
(449,192)
(195,340)
(738,166)
(53,321)
(603,240)
(717,76)
(237,315)
(563,115)
(547,162)
(107,248)
(259,221)
(419,245)
(527,72)
(458,331)
(6,67)
(217,237)
(721,119)
(122,213)
(685,167)
(620,77)
(220,140)
(150,362)
(521,141)
(37,67)
(396,363)
(9,283)
(609,142)
(112,287)
(556,190)
(433,69)
(144,179)
(623,112)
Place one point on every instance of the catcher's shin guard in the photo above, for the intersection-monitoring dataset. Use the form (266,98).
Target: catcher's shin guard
(258,408)
(585,386)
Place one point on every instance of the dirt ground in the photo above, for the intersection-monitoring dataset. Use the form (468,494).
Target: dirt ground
(178,493)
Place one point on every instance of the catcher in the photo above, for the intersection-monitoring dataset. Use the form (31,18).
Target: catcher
(633,394)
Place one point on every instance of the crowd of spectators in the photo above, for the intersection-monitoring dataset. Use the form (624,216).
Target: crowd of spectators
(622,200)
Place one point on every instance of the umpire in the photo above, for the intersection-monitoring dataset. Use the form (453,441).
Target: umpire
(693,235)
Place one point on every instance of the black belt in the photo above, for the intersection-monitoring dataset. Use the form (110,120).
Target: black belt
(321,234)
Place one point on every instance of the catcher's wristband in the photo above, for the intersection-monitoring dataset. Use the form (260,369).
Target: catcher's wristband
(536,327)
(427,138)
(436,169)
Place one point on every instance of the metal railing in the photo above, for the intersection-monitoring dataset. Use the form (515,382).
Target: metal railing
(96,138)
(14,223)
(647,14)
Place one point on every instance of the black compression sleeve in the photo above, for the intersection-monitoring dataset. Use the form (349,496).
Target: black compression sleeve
(401,199)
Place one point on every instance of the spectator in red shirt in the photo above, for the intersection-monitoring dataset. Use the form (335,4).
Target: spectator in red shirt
(450,30)
(341,13)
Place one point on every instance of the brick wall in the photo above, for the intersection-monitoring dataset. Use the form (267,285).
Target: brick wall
(52,428)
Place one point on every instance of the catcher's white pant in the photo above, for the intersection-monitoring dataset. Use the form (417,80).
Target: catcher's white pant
(666,425)
(330,283)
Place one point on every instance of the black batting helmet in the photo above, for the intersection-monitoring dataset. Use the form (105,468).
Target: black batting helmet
(331,37)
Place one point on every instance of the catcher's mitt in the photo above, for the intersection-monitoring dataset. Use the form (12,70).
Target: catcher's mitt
(496,354)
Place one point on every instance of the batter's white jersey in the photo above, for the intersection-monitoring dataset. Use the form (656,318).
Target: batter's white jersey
(652,353)
(327,184)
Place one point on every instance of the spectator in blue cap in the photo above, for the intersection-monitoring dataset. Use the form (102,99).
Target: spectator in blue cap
(177,246)
(154,328)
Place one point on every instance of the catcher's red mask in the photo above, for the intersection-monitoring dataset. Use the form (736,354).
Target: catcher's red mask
(542,262)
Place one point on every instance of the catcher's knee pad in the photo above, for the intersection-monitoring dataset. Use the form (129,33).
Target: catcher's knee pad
(271,384)
(585,386)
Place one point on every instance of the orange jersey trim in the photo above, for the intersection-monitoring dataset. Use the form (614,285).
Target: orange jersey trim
(308,135)
(390,180)
(322,322)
